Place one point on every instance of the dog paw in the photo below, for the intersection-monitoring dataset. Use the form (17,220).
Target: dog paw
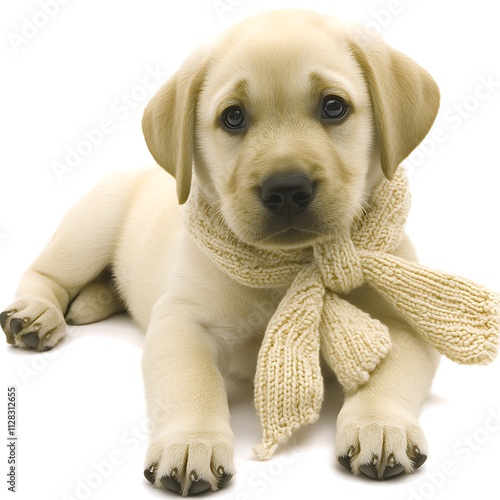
(380,445)
(189,463)
(33,323)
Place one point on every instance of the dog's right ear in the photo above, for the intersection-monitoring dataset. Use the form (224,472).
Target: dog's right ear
(168,122)
(404,96)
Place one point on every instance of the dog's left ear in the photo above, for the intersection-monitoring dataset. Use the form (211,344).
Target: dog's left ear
(168,122)
(404,96)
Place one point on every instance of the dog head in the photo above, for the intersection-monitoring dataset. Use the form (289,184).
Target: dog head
(289,118)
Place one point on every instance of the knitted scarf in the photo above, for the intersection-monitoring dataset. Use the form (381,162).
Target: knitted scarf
(459,318)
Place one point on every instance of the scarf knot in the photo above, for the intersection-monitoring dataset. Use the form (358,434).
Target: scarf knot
(340,264)
(459,318)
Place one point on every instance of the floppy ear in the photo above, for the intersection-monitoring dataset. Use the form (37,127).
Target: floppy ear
(168,122)
(404,96)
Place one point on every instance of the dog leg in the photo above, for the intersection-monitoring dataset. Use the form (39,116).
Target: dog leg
(378,433)
(192,442)
(96,301)
(80,249)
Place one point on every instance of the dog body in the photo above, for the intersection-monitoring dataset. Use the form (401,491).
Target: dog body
(290,120)
(235,315)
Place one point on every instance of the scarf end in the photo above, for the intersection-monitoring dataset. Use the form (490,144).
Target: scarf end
(265,450)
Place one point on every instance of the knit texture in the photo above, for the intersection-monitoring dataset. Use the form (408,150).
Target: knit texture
(459,318)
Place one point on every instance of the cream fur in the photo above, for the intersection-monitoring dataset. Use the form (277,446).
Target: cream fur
(196,318)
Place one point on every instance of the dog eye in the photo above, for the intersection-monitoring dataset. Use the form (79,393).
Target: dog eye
(334,108)
(233,118)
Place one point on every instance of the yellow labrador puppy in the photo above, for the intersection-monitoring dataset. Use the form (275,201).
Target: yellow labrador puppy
(285,123)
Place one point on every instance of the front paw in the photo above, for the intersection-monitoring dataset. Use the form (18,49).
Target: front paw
(33,323)
(380,443)
(190,462)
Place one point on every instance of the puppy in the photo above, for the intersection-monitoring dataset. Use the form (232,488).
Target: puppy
(323,110)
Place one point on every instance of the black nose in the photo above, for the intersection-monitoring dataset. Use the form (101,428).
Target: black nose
(287,194)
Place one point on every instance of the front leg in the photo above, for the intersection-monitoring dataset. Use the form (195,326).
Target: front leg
(378,434)
(192,442)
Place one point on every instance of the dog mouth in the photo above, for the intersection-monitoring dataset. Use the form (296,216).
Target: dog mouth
(290,236)
(291,230)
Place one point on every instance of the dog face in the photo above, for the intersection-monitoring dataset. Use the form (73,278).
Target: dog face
(291,118)
(284,133)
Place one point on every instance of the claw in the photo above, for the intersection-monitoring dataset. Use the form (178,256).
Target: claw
(198,486)
(225,477)
(16,325)
(345,461)
(393,471)
(149,474)
(419,461)
(8,333)
(171,484)
(31,339)
(417,457)
(3,319)
(370,469)
(393,468)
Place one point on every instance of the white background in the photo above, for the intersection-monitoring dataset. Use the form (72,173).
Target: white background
(83,403)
